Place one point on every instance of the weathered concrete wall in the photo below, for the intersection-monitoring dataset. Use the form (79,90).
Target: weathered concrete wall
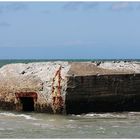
(103,93)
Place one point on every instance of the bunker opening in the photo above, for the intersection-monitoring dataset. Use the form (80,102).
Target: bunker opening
(26,101)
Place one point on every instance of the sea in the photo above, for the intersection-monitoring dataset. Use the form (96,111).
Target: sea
(92,125)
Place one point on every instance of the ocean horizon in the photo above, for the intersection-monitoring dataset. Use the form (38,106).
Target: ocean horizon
(9,61)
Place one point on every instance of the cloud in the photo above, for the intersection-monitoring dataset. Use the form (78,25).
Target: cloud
(90,5)
(4,24)
(12,6)
(74,6)
(79,43)
(17,6)
(138,6)
(46,11)
(118,6)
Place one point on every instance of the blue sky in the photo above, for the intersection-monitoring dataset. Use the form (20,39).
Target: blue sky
(69,30)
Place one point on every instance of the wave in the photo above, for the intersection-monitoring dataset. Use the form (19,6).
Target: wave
(28,117)
(101,115)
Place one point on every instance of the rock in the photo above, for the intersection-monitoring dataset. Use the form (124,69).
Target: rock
(23,72)
(98,63)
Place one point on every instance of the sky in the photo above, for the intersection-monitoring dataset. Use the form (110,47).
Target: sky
(69,30)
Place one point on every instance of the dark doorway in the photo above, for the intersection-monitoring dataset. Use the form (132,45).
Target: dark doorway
(28,103)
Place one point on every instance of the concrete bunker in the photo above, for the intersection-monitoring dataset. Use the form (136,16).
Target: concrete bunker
(26,101)
(70,87)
